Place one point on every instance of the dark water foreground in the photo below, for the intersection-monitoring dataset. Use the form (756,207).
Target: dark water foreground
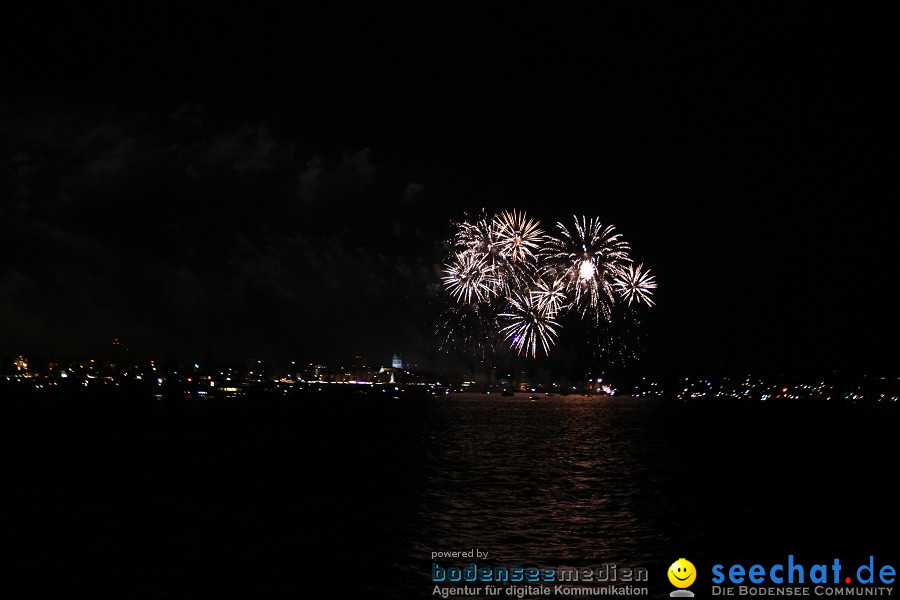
(343,497)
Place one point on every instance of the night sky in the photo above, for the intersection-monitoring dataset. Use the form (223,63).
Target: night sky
(281,185)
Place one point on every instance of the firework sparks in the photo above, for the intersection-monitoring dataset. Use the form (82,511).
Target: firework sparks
(636,285)
(531,325)
(481,237)
(589,257)
(467,277)
(471,328)
(485,239)
(506,263)
(518,235)
(550,293)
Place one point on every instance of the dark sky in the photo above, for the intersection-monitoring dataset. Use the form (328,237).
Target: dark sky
(279,185)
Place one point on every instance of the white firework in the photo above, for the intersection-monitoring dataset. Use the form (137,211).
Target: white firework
(485,239)
(530,325)
(468,277)
(589,257)
(636,285)
(481,237)
(550,293)
(519,237)
(506,263)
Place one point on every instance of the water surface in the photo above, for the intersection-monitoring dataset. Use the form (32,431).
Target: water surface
(275,498)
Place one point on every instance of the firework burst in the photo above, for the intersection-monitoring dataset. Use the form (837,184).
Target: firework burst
(486,239)
(468,277)
(530,325)
(589,257)
(550,293)
(481,237)
(636,285)
(505,270)
(518,235)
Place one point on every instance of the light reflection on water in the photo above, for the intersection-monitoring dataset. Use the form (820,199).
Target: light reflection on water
(290,497)
(575,481)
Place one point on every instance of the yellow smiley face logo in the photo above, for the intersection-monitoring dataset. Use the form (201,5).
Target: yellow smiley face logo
(682,573)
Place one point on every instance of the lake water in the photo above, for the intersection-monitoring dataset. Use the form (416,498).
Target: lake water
(348,497)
